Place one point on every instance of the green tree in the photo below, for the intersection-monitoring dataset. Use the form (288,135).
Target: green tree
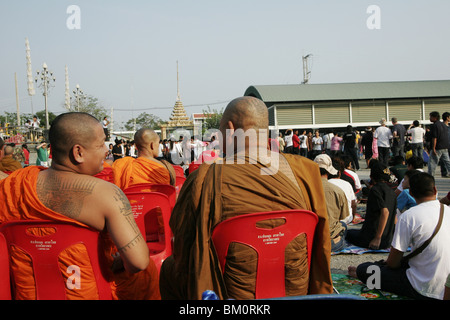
(89,104)
(41,116)
(144,120)
(11,118)
(212,118)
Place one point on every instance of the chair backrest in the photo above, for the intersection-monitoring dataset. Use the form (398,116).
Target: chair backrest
(179,183)
(45,250)
(193,166)
(5,284)
(146,207)
(179,171)
(166,189)
(269,244)
(106,174)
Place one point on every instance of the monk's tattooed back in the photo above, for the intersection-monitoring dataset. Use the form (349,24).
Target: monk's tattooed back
(62,195)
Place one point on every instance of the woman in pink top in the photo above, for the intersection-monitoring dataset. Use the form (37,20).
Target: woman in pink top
(335,144)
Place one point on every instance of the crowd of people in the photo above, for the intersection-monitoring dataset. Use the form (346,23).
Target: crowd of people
(312,172)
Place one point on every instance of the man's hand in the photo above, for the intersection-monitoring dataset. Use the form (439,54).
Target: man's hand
(375,243)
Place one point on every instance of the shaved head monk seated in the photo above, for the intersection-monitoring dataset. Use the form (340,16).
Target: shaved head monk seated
(7,162)
(145,168)
(67,191)
(245,183)
(2,146)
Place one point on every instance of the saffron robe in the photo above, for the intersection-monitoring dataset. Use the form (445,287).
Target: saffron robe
(216,192)
(20,202)
(129,171)
(9,164)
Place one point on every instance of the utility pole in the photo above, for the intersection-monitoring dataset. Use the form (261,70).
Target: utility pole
(306,72)
(17,101)
(47,78)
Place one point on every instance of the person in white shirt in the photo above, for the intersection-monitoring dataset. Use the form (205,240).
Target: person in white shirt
(35,124)
(327,142)
(288,143)
(346,187)
(425,275)
(417,135)
(303,144)
(317,143)
(383,135)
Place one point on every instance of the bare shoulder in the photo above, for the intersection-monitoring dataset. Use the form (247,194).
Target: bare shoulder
(80,197)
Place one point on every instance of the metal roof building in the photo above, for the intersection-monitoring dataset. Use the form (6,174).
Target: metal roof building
(312,106)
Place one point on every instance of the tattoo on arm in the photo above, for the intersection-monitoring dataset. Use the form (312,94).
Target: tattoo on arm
(126,210)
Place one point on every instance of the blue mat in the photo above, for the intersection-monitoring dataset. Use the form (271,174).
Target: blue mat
(351,249)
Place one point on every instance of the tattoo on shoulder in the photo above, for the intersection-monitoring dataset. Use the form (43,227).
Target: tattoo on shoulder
(65,196)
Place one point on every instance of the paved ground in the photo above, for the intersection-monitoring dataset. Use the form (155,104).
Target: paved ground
(340,263)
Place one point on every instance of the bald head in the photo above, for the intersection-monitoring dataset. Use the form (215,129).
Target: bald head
(69,129)
(8,150)
(147,142)
(246,113)
(242,122)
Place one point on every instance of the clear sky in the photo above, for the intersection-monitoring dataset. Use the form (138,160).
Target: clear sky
(125,52)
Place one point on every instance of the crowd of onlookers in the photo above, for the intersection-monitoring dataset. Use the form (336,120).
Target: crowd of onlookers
(401,199)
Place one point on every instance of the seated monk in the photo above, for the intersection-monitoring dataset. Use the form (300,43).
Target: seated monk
(145,168)
(7,162)
(235,186)
(2,174)
(67,191)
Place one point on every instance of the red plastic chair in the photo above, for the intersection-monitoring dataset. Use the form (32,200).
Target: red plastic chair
(178,170)
(144,205)
(179,183)
(193,166)
(270,244)
(106,174)
(166,189)
(50,284)
(5,284)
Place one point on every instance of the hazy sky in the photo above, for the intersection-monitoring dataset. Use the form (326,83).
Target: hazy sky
(125,52)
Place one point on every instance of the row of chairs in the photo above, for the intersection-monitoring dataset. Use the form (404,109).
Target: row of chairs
(269,244)
(151,202)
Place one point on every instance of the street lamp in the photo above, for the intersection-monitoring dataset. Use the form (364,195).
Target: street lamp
(79,94)
(47,80)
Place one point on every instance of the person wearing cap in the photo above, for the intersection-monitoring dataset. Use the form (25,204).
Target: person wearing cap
(339,180)
(383,136)
(378,227)
(336,202)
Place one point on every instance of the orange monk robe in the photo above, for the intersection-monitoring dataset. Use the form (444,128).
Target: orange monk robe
(20,202)
(129,171)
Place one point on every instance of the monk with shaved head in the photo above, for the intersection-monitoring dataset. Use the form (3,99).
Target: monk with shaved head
(7,162)
(145,168)
(67,191)
(250,178)
(3,175)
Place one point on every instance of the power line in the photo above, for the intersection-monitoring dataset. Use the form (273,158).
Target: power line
(164,108)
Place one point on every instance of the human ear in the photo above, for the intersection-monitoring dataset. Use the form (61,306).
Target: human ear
(78,153)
